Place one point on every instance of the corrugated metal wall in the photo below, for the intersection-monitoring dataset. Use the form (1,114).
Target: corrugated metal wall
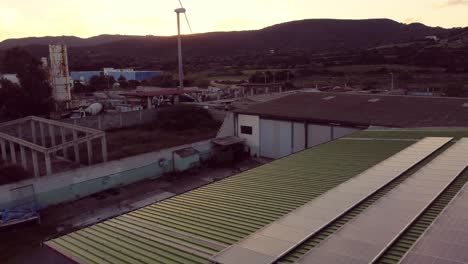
(299,139)
(318,134)
(275,138)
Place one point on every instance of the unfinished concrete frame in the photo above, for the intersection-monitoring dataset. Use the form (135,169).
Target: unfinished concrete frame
(37,143)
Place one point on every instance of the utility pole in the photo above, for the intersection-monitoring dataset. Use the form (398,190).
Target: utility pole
(179,46)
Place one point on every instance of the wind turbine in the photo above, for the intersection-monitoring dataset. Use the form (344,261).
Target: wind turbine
(179,11)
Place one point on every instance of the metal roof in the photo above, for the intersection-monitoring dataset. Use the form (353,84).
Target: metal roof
(228,141)
(446,239)
(365,110)
(192,227)
(369,234)
(275,240)
(168,91)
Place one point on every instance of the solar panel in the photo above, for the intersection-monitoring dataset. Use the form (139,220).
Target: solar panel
(446,240)
(269,243)
(375,229)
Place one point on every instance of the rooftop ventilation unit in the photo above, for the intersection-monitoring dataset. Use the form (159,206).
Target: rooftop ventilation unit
(374,100)
(465,105)
(329,98)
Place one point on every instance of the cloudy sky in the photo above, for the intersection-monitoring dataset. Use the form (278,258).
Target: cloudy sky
(85,18)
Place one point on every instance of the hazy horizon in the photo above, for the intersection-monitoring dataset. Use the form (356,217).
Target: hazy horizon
(89,18)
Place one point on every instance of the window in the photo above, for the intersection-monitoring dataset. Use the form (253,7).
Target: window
(246,130)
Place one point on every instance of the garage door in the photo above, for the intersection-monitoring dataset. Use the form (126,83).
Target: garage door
(275,139)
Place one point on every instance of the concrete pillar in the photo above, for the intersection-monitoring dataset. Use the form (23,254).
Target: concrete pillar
(13,152)
(267,90)
(76,147)
(121,120)
(141,116)
(20,131)
(243,91)
(252,92)
(218,95)
(150,105)
(90,152)
(35,164)
(24,162)
(52,135)
(104,148)
(64,140)
(41,130)
(280,89)
(33,131)
(4,152)
(48,164)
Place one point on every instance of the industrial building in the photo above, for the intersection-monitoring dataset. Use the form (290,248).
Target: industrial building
(129,74)
(378,196)
(296,122)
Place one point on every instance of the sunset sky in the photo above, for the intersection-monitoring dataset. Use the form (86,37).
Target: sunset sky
(85,18)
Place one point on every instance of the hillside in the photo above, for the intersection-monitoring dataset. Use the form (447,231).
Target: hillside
(292,42)
(69,40)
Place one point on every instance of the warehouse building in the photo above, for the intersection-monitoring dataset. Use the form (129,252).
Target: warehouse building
(293,123)
(380,196)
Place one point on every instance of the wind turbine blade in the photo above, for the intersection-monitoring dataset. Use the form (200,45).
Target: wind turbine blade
(188,23)
(186,17)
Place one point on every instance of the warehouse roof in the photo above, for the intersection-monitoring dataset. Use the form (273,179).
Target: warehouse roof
(366,110)
(192,227)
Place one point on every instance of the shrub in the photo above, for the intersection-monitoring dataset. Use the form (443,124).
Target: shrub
(184,117)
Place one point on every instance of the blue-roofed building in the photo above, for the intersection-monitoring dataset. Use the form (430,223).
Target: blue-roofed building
(83,76)
(129,74)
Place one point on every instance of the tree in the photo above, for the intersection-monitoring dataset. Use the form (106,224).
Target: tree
(123,81)
(454,90)
(35,90)
(164,80)
(101,82)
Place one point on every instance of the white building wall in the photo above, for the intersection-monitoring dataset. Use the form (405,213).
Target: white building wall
(10,77)
(318,134)
(299,137)
(253,140)
(339,132)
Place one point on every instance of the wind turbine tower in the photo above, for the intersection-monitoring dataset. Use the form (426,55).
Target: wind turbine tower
(179,44)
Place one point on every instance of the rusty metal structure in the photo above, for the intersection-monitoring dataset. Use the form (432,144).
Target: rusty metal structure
(59,73)
(24,141)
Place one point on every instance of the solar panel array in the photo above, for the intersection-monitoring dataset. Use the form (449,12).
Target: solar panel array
(365,238)
(273,241)
(446,240)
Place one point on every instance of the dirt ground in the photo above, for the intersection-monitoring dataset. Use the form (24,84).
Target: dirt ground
(129,142)
(22,244)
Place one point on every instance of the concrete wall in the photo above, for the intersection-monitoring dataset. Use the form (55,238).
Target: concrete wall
(116,120)
(72,185)
(253,141)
